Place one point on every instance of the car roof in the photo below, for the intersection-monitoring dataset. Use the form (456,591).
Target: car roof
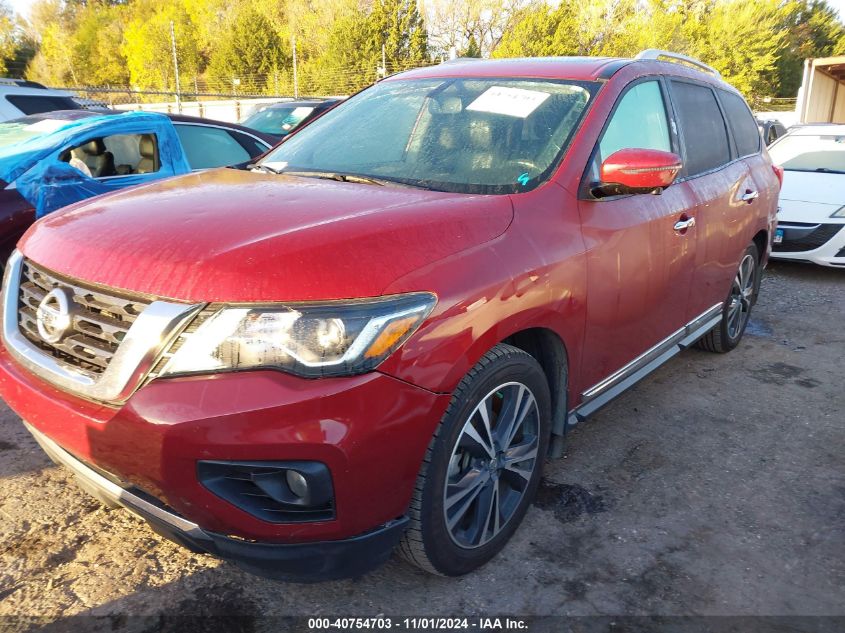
(24,87)
(76,115)
(573,68)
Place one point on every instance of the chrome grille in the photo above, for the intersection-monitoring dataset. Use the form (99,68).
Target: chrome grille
(181,338)
(100,320)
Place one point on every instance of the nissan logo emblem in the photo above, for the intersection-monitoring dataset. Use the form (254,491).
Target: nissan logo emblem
(53,317)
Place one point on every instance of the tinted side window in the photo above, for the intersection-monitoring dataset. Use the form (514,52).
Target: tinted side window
(743,126)
(32,104)
(704,132)
(639,122)
(249,143)
(206,147)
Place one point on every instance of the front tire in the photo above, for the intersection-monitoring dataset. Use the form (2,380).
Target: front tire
(483,465)
(736,310)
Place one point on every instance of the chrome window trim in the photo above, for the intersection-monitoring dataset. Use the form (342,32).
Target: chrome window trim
(226,129)
(147,338)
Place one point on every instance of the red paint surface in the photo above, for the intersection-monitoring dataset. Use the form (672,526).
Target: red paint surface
(641,168)
(609,277)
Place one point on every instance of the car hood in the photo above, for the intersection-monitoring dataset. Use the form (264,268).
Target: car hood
(230,235)
(807,186)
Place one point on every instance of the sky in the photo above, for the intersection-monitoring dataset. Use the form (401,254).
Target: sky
(22,6)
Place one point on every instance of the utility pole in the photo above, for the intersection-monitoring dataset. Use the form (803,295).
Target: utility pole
(295,76)
(176,69)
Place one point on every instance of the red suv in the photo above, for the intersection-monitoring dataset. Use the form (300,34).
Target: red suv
(377,335)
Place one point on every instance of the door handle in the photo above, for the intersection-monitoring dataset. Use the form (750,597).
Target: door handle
(683,225)
(750,196)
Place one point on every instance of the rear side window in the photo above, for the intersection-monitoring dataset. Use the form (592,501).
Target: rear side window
(251,144)
(36,104)
(704,132)
(743,126)
(206,147)
(639,122)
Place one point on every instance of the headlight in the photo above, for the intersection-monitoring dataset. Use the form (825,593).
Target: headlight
(311,340)
(839,213)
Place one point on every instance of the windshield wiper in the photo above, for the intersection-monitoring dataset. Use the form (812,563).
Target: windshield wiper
(827,170)
(340,177)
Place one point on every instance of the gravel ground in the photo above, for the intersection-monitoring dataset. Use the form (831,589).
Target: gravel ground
(714,487)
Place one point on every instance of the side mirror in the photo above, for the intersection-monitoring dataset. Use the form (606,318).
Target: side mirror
(637,171)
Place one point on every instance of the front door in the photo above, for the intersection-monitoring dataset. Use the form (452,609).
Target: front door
(639,266)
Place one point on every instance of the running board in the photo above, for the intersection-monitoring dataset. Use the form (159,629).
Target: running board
(602,393)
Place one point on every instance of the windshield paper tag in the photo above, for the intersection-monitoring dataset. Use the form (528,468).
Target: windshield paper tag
(509,101)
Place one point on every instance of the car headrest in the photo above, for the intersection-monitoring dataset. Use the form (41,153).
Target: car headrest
(94,147)
(147,146)
(480,134)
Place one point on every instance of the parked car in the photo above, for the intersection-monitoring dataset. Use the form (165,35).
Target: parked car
(377,335)
(19,97)
(811,220)
(771,130)
(280,119)
(51,160)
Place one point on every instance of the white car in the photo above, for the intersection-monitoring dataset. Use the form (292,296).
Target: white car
(811,221)
(21,98)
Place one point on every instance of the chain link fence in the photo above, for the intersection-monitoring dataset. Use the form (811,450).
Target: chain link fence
(231,99)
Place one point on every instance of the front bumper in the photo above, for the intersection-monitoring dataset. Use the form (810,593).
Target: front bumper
(303,562)
(371,431)
(822,243)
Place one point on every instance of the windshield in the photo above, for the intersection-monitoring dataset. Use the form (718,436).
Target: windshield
(278,120)
(19,130)
(824,153)
(468,135)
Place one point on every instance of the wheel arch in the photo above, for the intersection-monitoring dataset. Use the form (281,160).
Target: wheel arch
(548,348)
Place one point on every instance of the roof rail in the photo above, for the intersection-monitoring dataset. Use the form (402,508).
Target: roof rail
(657,54)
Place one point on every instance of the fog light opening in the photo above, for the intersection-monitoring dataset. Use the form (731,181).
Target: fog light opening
(297,483)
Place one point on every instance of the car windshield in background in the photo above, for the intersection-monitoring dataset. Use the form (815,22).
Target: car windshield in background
(26,128)
(799,152)
(466,135)
(279,120)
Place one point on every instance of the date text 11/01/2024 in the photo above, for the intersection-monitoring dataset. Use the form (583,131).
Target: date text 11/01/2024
(418,624)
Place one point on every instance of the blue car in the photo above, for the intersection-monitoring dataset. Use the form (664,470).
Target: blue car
(51,160)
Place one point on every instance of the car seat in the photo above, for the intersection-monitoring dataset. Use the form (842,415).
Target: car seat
(93,153)
(149,155)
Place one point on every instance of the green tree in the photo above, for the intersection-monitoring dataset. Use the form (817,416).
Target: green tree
(250,52)
(743,40)
(813,29)
(8,40)
(472,49)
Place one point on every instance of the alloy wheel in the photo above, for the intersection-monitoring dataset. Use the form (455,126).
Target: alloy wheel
(742,295)
(492,463)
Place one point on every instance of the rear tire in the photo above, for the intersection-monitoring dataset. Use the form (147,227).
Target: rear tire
(736,310)
(483,465)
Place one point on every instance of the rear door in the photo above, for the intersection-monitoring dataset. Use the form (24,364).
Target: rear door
(763,195)
(723,189)
(639,268)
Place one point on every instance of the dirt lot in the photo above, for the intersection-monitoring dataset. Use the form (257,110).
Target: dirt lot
(716,486)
